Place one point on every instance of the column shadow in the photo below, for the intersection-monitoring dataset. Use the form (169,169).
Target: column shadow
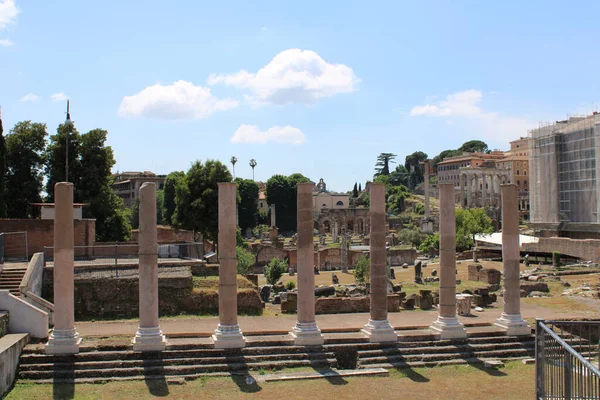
(395,357)
(474,361)
(319,362)
(239,371)
(154,376)
(63,380)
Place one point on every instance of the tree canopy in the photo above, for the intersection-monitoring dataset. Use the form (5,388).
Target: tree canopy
(281,190)
(382,166)
(24,168)
(171,182)
(469,223)
(473,146)
(197,198)
(2,171)
(247,203)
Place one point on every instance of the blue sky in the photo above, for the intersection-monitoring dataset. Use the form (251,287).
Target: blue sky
(314,87)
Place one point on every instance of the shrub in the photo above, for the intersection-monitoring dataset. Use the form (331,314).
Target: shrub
(290,285)
(245,260)
(432,242)
(363,270)
(555,259)
(275,270)
(414,236)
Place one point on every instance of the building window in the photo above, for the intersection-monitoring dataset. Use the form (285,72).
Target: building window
(339,203)
(518,183)
(518,172)
(525,172)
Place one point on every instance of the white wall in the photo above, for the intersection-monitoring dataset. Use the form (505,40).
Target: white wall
(23,317)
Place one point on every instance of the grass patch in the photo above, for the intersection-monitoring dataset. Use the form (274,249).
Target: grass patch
(212,282)
(514,381)
(558,303)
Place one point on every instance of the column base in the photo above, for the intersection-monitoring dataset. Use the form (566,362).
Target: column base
(63,341)
(307,334)
(379,331)
(149,339)
(448,328)
(513,324)
(228,337)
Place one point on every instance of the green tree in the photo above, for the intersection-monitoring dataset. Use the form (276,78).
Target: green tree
(382,166)
(430,244)
(2,170)
(275,270)
(197,198)
(160,212)
(363,270)
(412,164)
(169,195)
(396,195)
(56,153)
(443,155)
(24,165)
(253,164)
(400,176)
(282,191)
(470,223)
(355,190)
(233,161)
(134,215)
(359,187)
(245,260)
(247,203)
(473,146)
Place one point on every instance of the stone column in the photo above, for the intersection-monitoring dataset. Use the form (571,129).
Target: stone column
(378,329)
(64,339)
(483,191)
(426,188)
(273,220)
(469,190)
(511,319)
(149,337)
(306,332)
(228,333)
(447,325)
(461,191)
(334,235)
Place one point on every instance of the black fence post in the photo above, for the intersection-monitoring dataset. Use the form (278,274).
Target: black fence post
(539,358)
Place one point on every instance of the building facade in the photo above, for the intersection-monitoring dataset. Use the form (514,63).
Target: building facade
(565,186)
(127,184)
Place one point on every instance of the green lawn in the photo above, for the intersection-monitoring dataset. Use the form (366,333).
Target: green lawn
(514,381)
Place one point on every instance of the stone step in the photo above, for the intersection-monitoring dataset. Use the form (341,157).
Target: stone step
(500,354)
(169,370)
(121,363)
(444,349)
(416,364)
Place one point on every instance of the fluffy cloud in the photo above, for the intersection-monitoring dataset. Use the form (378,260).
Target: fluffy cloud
(6,42)
(29,97)
(292,76)
(464,107)
(180,100)
(60,96)
(281,134)
(8,13)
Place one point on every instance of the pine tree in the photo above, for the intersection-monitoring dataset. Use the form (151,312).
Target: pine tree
(355,190)
(359,187)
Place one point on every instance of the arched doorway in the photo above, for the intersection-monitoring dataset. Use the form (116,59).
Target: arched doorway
(361,226)
(350,226)
(326,226)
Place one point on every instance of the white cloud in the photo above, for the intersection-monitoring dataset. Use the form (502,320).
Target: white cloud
(29,97)
(180,100)
(6,42)
(280,134)
(464,107)
(8,13)
(60,96)
(292,76)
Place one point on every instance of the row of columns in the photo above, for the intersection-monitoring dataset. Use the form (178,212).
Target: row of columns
(476,186)
(64,338)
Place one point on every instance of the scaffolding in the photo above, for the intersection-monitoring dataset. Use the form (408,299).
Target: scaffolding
(565,159)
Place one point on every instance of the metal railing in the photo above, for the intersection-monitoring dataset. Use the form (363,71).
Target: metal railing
(115,254)
(566,359)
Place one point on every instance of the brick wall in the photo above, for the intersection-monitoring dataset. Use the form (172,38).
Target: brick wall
(343,305)
(40,234)
(400,257)
(167,234)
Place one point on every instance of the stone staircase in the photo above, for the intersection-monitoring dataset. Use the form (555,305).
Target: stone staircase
(191,358)
(10,279)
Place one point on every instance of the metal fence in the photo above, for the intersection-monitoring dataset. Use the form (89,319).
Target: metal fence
(128,253)
(13,246)
(566,358)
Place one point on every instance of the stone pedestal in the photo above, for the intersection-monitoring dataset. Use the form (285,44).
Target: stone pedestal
(447,325)
(149,337)
(306,332)
(64,338)
(228,333)
(463,304)
(511,320)
(378,329)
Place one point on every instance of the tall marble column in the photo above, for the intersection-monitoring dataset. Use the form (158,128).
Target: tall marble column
(483,191)
(511,319)
(469,190)
(149,337)
(64,338)
(306,332)
(447,325)
(228,333)
(378,329)
(461,191)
